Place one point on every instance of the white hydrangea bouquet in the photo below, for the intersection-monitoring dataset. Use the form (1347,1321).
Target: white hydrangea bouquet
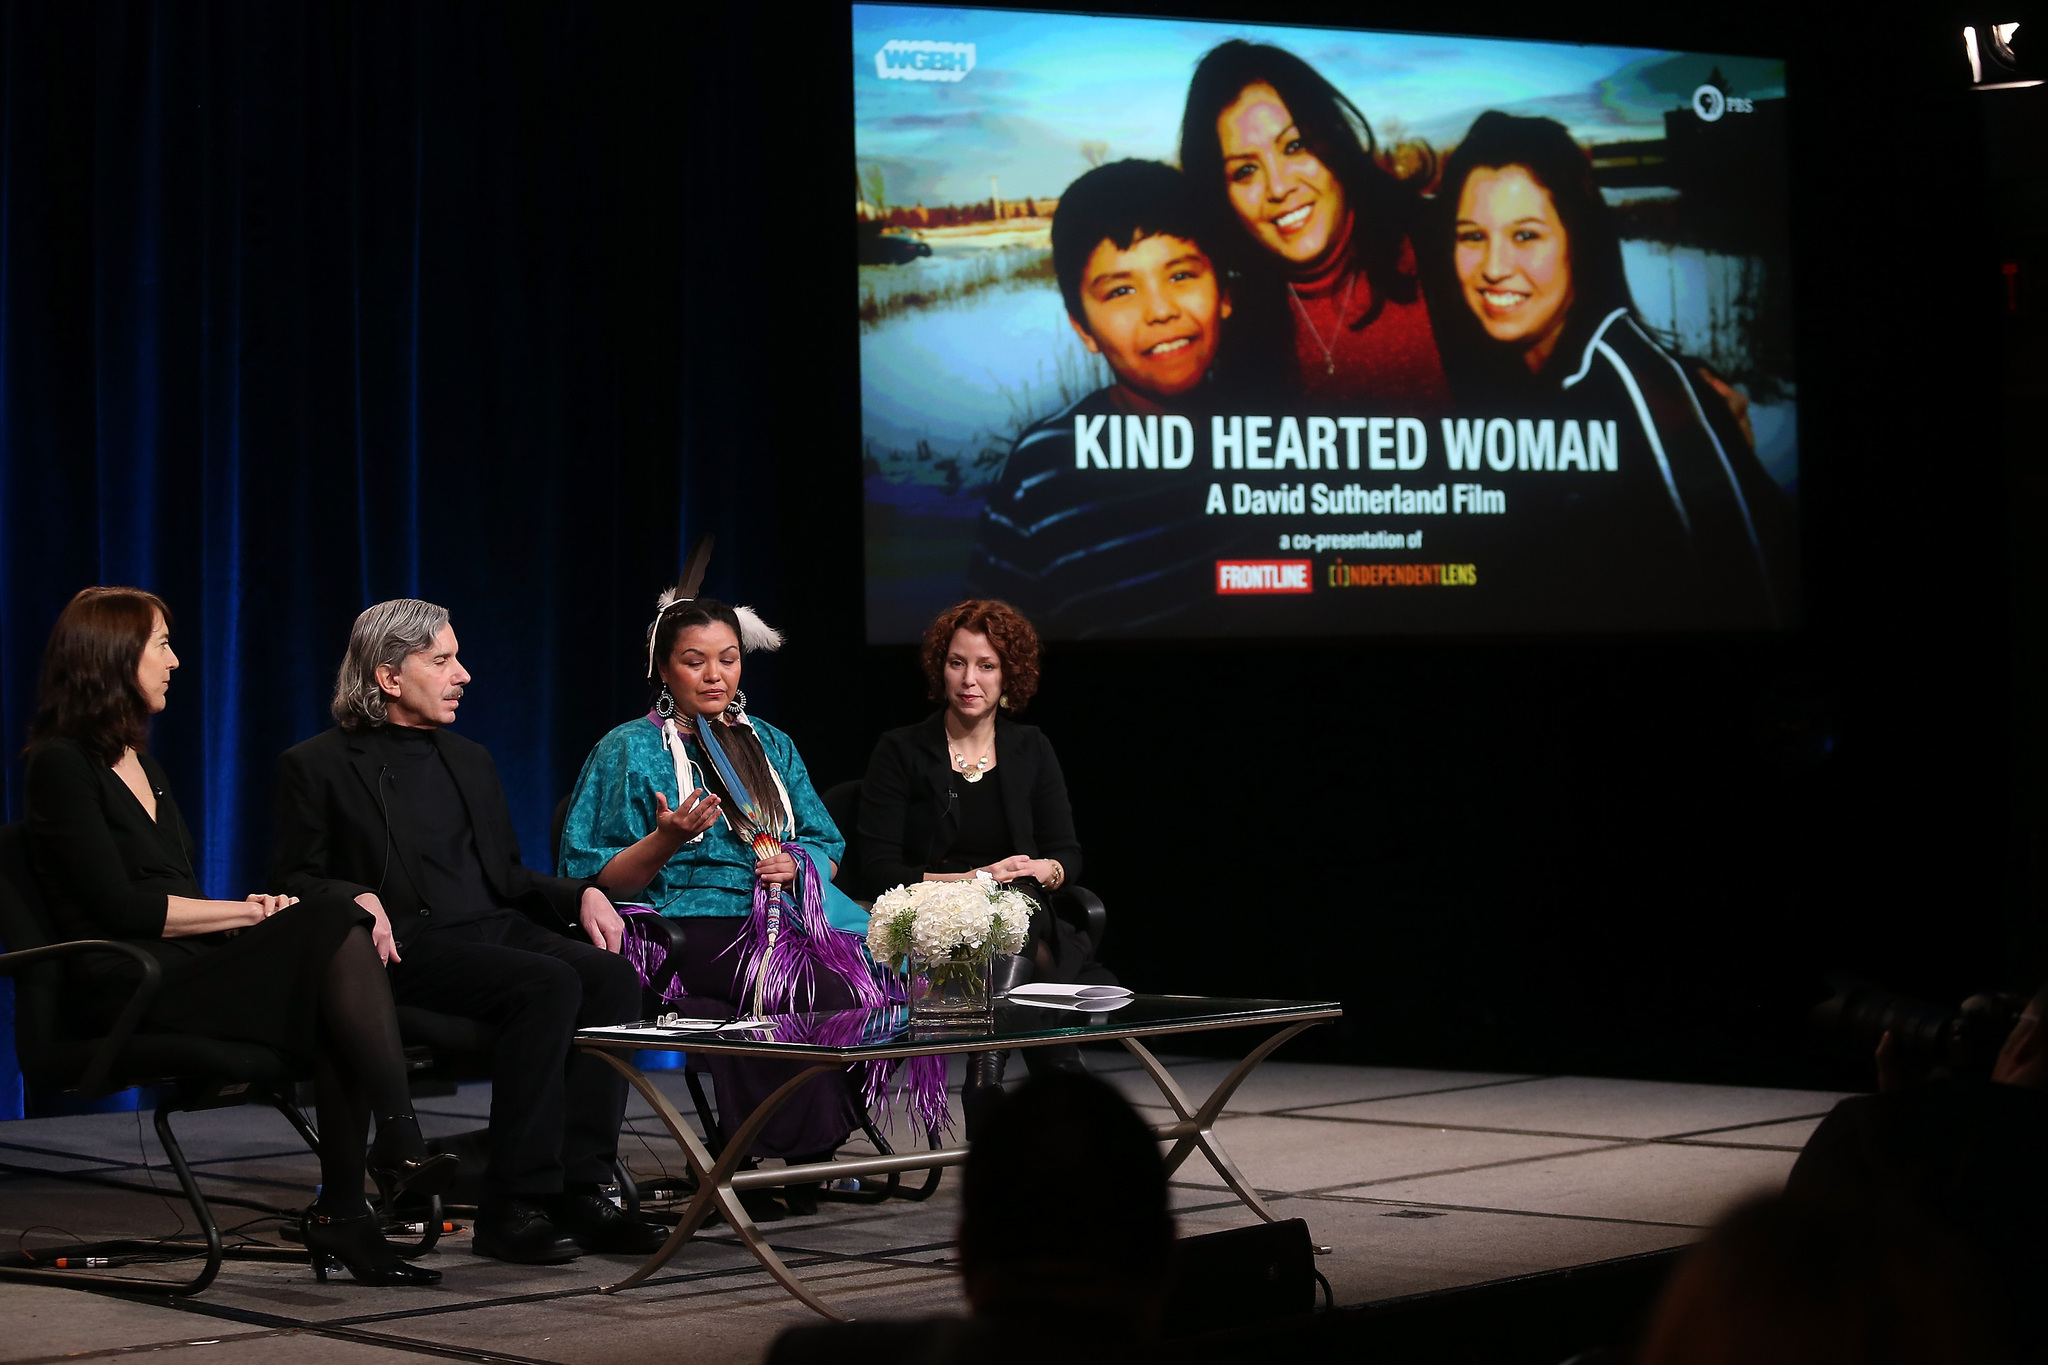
(941,937)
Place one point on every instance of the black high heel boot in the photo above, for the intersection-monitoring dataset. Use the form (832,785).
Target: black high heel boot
(400,1163)
(760,1205)
(802,1200)
(356,1240)
(983,1089)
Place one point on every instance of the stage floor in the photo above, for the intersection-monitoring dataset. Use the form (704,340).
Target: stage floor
(1418,1180)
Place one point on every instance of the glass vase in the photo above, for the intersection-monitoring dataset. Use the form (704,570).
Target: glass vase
(951,990)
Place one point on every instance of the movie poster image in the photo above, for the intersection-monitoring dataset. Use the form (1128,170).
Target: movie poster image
(1179,330)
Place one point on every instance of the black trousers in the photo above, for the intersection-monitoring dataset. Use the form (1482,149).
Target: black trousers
(555,1113)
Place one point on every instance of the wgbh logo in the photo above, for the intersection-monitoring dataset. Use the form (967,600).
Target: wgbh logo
(902,59)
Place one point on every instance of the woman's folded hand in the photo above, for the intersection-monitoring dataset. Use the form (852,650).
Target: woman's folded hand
(262,907)
(1009,869)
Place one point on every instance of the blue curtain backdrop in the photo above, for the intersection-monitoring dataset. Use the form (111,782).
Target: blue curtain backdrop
(304,306)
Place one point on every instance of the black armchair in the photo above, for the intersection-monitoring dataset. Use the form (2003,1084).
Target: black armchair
(187,1072)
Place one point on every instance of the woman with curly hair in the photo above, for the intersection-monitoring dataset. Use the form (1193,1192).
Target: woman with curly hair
(970,790)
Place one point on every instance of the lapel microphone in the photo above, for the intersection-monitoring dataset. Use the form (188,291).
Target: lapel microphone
(384,771)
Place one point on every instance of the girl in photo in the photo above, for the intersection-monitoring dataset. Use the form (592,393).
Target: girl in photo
(1688,528)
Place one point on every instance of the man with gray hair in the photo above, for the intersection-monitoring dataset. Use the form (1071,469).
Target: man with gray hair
(410,822)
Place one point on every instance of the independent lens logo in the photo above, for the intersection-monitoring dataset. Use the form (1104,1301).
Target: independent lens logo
(903,59)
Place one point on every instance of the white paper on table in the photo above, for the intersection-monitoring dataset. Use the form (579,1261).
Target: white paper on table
(1054,992)
(1053,995)
(684,1026)
(1101,1006)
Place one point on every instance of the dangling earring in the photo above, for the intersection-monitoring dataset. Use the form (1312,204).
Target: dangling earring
(738,705)
(665,705)
(1004,701)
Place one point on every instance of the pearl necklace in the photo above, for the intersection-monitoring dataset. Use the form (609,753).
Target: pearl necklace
(971,771)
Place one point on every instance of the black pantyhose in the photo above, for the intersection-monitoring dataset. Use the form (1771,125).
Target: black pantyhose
(360,1070)
(344,1126)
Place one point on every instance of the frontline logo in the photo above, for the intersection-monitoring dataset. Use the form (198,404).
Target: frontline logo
(1263,575)
(902,59)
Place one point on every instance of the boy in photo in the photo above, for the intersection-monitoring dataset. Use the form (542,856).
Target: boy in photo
(1140,291)
(1086,550)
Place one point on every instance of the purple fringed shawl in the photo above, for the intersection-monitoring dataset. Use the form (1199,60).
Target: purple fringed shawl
(804,943)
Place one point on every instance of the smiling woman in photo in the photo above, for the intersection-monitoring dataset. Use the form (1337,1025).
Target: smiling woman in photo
(1316,232)
(1548,329)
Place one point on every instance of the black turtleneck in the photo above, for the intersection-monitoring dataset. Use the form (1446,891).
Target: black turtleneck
(429,814)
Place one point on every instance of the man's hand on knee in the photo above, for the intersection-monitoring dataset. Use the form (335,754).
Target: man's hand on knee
(380,933)
(600,921)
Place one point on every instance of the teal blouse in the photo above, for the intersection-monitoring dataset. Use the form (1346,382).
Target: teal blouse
(613,808)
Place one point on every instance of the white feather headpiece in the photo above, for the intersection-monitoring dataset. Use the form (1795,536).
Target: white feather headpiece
(755,634)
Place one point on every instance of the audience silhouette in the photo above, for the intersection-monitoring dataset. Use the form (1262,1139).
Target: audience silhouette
(1065,1239)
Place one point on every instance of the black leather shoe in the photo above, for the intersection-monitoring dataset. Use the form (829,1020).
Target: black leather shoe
(401,1164)
(597,1224)
(762,1206)
(520,1231)
(802,1200)
(354,1240)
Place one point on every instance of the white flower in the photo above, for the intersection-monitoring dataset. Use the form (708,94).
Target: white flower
(939,920)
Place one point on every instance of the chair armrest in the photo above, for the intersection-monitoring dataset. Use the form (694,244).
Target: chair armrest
(662,929)
(131,1013)
(1095,919)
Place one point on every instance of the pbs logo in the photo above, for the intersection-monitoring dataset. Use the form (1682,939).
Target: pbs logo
(1709,103)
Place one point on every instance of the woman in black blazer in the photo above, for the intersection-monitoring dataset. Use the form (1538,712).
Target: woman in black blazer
(113,856)
(969,790)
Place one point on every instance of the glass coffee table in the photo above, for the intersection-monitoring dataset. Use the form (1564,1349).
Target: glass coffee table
(867,1035)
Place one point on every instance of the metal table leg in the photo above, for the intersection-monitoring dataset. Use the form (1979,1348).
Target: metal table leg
(1197,1127)
(714,1181)
(719,1180)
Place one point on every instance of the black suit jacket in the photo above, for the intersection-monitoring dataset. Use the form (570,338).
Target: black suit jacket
(332,833)
(908,818)
(106,868)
